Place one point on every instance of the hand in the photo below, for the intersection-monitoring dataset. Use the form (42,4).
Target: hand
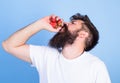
(47,24)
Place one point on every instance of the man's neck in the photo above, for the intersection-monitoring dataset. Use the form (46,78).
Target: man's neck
(72,51)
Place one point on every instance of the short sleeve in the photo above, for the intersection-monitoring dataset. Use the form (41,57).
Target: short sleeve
(37,55)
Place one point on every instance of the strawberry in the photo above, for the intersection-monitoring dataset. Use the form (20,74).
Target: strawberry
(55,23)
(53,19)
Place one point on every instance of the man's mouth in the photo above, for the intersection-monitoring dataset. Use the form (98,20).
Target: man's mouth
(64,28)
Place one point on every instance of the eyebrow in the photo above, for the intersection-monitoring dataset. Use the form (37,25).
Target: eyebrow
(72,21)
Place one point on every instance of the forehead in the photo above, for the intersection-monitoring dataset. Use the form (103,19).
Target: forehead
(78,21)
(82,23)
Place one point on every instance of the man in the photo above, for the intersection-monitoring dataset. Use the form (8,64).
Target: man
(66,59)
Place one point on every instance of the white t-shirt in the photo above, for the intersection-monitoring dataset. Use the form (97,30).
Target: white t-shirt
(53,67)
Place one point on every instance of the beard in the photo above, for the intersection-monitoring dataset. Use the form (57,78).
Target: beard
(63,37)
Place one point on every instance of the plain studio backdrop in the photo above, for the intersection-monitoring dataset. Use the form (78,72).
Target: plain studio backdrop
(15,14)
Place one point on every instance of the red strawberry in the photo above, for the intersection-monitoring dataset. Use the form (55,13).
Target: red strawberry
(54,24)
(53,19)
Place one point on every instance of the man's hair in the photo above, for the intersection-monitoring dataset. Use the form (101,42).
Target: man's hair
(93,32)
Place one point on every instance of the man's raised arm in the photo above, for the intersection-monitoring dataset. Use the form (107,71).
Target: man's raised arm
(16,43)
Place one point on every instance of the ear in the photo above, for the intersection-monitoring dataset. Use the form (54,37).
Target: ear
(83,34)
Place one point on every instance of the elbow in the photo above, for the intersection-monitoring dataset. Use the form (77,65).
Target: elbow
(6,46)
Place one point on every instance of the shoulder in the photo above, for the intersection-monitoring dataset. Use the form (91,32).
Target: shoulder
(94,60)
(43,49)
(98,69)
(41,54)
(92,57)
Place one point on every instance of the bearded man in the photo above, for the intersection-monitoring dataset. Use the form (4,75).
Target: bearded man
(66,59)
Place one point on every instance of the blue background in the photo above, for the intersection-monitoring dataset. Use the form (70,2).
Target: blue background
(15,14)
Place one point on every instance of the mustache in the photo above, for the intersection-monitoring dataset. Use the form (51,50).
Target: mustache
(64,28)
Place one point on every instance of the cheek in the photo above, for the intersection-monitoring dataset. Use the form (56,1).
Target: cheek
(72,28)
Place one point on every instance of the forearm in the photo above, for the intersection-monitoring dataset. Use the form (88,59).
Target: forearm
(20,37)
